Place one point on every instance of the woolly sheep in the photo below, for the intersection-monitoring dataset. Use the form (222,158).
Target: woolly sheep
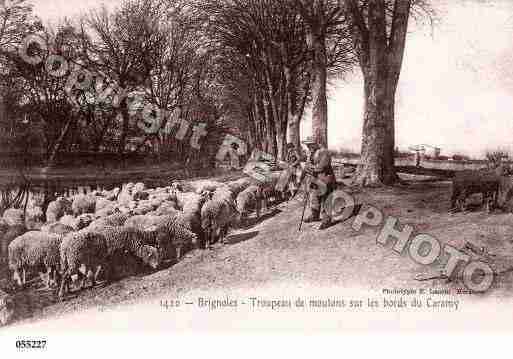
(163,196)
(206,185)
(239,185)
(77,223)
(102,203)
(35,217)
(83,204)
(249,199)
(9,234)
(68,220)
(107,211)
(111,195)
(7,308)
(128,187)
(125,198)
(33,251)
(84,220)
(124,210)
(190,218)
(83,248)
(223,193)
(217,214)
(114,220)
(269,187)
(139,187)
(144,222)
(142,209)
(14,217)
(182,198)
(172,235)
(177,186)
(155,202)
(58,208)
(57,228)
(140,195)
(167,208)
(122,240)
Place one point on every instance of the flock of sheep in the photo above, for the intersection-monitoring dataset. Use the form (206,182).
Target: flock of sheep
(87,237)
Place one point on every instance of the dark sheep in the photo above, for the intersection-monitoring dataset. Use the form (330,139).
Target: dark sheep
(467,183)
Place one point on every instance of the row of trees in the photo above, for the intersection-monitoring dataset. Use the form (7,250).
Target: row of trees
(253,65)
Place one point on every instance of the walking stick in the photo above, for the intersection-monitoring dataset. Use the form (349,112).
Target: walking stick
(307,195)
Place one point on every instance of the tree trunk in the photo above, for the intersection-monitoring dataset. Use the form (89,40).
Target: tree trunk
(319,98)
(293,131)
(269,127)
(124,125)
(380,56)
(281,137)
(58,143)
(377,156)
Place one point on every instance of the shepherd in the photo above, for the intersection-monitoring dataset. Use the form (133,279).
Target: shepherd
(321,182)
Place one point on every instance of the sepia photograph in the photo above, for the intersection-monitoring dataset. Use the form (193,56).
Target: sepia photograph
(243,166)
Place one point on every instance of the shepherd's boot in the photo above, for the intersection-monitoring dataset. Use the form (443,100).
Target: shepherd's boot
(326,222)
(314,216)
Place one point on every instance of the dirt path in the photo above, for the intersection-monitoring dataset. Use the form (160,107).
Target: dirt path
(273,252)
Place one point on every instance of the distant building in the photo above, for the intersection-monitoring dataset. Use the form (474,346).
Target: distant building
(433,152)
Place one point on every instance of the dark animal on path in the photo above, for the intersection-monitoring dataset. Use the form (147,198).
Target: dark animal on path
(466,183)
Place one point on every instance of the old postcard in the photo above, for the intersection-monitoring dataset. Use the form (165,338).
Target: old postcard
(291,166)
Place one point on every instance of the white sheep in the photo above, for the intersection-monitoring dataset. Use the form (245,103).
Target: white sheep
(107,211)
(84,248)
(248,200)
(57,228)
(77,223)
(167,208)
(139,187)
(206,185)
(34,218)
(83,204)
(217,215)
(269,187)
(190,218)
(182,198)
(33,251)
(111,195)
(7,235)
(144,222)
(123,240)
(114,220)
(14,217)
(239,185)
(58,208)
(171,235)
(68,220)
(102,203)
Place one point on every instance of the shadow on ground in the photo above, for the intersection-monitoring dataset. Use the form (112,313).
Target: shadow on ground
(253,221)
(241,237)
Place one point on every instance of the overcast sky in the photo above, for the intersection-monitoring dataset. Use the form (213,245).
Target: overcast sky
(456,86)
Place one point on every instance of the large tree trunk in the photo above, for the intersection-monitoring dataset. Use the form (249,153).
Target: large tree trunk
(380,59)
(377,156)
